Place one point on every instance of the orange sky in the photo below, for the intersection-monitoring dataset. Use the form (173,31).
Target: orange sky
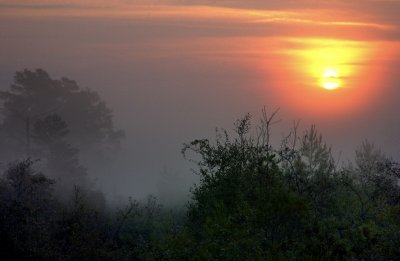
(197,64)
(294,42)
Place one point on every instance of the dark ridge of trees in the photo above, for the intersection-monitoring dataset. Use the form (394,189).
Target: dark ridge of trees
(253,202)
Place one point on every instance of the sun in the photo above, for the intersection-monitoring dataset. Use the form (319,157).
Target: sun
(330,80)
(328,63)
(326,76)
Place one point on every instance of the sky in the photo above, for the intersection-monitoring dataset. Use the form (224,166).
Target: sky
(173,71)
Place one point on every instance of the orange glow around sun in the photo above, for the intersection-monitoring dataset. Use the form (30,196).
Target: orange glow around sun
(330,62)
(326,77)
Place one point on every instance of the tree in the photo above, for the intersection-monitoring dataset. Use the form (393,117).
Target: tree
(28,213)
(35,95)
(81,231)
(62,159)
(242,208)
(258,203)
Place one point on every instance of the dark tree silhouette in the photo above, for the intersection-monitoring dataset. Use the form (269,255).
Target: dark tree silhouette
(35,95)
(27,210)
(62,159)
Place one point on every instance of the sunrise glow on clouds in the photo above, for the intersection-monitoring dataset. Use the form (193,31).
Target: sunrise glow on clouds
(305,47)
(352,23)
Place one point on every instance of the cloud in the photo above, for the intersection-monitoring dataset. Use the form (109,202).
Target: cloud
(18,4)
(208,19)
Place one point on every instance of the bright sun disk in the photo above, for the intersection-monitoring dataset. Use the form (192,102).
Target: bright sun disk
(330,80)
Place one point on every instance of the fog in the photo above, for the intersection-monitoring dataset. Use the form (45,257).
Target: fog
(170,79)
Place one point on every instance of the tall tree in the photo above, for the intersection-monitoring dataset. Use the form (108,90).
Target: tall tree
(62,159)
(34,95)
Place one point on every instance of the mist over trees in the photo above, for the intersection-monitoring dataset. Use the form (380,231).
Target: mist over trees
(58,122)
(34,95)
(254,201)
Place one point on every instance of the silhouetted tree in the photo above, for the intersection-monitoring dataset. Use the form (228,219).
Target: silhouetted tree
(255,202)
(242,209)
(35,95)
(28,213)
(82,231)
(50,134)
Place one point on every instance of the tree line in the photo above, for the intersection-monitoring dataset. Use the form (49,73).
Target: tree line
(254,201)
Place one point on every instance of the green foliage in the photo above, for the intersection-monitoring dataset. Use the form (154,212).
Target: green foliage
(242,208)
(253,202)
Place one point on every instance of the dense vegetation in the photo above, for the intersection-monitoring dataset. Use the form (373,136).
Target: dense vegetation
(254,201)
